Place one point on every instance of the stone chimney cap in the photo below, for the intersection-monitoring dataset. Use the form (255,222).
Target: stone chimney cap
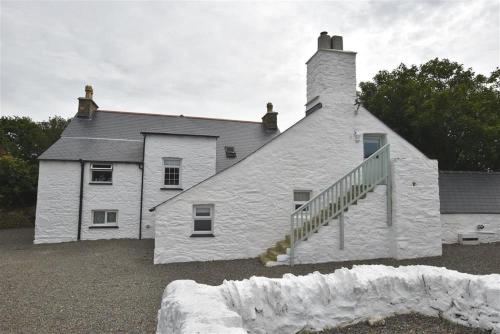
(89,92)
(269,107)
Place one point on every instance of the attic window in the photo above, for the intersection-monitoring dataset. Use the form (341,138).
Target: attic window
(230,152)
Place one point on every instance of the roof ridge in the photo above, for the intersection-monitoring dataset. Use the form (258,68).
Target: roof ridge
(178,116)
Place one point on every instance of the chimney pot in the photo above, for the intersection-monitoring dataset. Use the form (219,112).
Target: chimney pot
(89,92)
(324,41)
(269,107)
(337,43)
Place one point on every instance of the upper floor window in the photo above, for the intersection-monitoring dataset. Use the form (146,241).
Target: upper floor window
(172,168)
(300,197)
(101,173)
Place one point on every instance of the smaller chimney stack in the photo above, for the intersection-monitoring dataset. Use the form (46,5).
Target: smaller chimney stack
(270,119)
(86,105)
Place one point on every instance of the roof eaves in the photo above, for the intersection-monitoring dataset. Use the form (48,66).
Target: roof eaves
(93,160)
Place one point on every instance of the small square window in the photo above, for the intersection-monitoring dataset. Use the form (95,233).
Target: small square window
(230,151)
(105,217)
(203,219)
(101,173)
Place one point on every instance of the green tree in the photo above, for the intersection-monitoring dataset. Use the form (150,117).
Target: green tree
(21,143)
(448,112)
(18,182)
(25,139)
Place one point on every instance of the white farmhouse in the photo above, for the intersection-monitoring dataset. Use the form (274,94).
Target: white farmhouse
(368,193)
(108,168)
(337,185)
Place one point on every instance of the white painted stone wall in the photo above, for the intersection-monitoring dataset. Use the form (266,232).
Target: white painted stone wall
(314,302)
(123,195)
(253,199)
(453,224)
(416,213)
(366,234)
(198,163)
(57,201)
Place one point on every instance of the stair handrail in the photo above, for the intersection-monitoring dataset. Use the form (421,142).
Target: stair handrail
(332,201)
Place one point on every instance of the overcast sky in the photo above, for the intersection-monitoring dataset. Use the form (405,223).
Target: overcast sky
(219,59)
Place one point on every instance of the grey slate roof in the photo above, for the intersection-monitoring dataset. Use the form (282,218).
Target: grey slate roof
(469,192)
(116,136)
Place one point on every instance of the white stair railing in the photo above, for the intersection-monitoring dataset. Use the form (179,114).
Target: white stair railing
(334,200)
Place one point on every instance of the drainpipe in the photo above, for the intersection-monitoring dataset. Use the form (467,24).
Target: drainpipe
(142,186)
(82,164)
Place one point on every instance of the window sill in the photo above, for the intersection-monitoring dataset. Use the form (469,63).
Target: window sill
(102,183)
(167,188)
(103,226)
(206,235)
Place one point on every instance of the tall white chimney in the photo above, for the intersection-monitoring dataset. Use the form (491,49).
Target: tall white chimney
(331,73)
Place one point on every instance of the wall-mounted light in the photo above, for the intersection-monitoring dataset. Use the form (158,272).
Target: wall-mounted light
(357,135)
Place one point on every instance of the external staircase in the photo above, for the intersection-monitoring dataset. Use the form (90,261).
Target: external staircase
(331,204)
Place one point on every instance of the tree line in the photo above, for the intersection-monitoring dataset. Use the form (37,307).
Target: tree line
(448,112)
(21,143)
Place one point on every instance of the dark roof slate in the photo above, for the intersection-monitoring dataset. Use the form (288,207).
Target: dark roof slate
(89,139)
(469,192)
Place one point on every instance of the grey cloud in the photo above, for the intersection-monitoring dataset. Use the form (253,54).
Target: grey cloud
(218,59)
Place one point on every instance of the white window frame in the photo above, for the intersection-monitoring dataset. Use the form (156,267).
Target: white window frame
(211,218)
(100,169)
(295,203)
(165,166)
(105,217)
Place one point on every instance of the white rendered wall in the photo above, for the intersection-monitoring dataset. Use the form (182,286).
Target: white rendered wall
(453,224)
(253,199)
(366,234)
(57,201)
(123,195)
(198,163)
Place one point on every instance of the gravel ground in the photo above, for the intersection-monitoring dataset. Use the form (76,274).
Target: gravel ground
(112,286)
(409,324)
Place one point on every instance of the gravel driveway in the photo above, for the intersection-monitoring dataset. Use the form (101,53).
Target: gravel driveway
(113,286)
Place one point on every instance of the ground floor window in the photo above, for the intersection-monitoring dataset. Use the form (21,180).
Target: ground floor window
(203,219)
(300,197)
(105,217)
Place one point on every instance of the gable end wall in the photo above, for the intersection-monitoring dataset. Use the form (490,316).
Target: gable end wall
(253,199)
